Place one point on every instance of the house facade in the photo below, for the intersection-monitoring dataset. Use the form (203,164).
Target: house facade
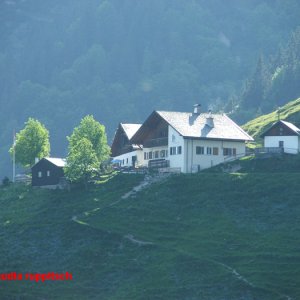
(283,135)
(48,172)
(125,153)
(192,154)
(190,142)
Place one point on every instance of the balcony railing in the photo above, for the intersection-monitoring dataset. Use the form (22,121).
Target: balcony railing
(272,150)
(158,163)
(156,142)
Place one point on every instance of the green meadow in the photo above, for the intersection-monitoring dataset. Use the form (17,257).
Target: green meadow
(203,236)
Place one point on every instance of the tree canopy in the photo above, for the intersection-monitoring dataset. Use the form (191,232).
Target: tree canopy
(82,161)
(94,132)
(31,142)
(87,150)
(274,81)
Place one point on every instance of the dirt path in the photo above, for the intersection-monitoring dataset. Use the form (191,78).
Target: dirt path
(148,180)
(131,238)
(242,278)
(234,272)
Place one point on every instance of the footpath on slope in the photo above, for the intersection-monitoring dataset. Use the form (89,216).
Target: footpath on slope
(148,180)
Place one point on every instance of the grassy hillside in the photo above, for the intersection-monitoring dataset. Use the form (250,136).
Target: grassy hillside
(282,164)
(289,112)
(204,236)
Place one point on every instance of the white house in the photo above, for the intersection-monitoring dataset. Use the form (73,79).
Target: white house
(123,151)
(190,142)
(283,135)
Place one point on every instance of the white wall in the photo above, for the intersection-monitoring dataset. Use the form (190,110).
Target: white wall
(153,149)
(194,162)
(188,161)
(176,140)
(126,159)
(291,143)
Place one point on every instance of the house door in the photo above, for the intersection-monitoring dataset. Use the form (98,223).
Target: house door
(133,160)
(281,144)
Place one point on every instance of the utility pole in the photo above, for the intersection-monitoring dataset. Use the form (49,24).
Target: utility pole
(14,157)
(278,113)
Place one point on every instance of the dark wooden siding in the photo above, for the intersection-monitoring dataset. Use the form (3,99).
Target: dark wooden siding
(154,127)
(279,129)
(120,143)
(43,166)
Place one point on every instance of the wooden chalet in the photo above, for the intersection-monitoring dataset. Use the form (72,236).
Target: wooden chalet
(48,172)
(283,136)
(189,141)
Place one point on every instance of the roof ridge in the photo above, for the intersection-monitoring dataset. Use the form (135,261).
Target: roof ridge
(188,125)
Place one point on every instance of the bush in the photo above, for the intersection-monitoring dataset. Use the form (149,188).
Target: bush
(5,181)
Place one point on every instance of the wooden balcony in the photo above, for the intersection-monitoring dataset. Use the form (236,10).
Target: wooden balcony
(156,142)
(158,163)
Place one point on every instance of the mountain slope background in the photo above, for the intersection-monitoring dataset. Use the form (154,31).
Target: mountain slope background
(234,236)
(288,112)
(61,60)
(274,82)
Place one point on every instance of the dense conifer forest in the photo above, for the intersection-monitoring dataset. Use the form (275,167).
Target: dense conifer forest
(119,60)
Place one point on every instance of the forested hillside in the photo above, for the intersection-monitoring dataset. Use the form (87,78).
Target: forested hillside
(119,60)
(274,82)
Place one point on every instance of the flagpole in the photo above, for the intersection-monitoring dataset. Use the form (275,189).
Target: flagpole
(14,157)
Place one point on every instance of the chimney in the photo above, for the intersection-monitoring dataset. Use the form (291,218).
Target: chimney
(210,120)
(197,109)
(36,159)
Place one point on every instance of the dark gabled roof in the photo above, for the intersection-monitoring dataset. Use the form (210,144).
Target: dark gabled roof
(191,125)
(122,137)
(288,125)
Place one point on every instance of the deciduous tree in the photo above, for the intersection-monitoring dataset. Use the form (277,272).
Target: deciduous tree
(87,150)
(93,131)
(82,162)
(31,142)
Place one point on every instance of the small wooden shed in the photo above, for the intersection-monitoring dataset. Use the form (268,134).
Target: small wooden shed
(284,135)
(48,172)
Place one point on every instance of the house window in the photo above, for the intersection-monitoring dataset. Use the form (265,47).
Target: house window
(123,162)
(173,138)
(162,153)
(280,131)
(40,174)
(48,173)
(150,155)
(163,133)
(156,154)
(281,144)
(172,150)
(126,160)
(145,155)
(215,151)
(208,150)
(199,150)
(227,151)
(179,149)
(234,151)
